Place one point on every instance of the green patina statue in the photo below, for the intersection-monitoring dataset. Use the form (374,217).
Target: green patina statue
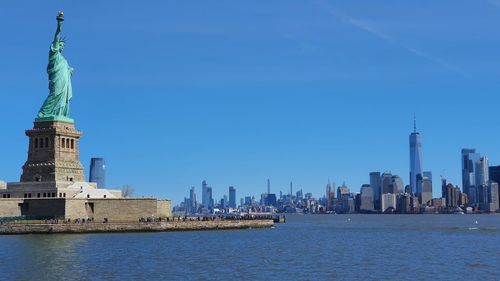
(56,106)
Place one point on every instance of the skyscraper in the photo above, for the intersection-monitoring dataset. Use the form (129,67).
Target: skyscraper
(271,199)
(98,172)
(329,189)
(494,202)
(366,199)
(494,173)
(387,186)
(232,197)
(205,199)
(482,171)
(375,183)
(299,194)
(428,175)
(398,184)
(192,201)
(224,202)
(388,202)
(444,188)
(268,186)
(469,165)
(342,192)
(424,188)
(330,195)
(210,198)
(415,157)
(452,195)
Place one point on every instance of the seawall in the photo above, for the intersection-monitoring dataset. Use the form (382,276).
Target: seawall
(40,228)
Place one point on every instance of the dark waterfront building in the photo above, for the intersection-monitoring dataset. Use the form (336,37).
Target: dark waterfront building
(453,196)
(444,188)
(98,172)
(376,185)
(357,203)
(403,204)
(495,175)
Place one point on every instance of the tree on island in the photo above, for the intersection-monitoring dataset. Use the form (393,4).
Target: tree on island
(127,191)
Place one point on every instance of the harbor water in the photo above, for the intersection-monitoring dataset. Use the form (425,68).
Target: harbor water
(306,247)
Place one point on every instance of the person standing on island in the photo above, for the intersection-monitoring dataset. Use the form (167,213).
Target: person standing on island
(56,105)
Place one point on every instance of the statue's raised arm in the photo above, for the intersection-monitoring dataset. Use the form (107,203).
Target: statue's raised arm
(57,36)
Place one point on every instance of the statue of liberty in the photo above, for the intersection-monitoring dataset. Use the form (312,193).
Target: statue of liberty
(56,106)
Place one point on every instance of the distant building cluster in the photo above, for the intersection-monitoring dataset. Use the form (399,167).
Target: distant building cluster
(385,193)
(268,202)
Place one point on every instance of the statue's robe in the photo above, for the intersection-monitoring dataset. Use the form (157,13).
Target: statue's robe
(60,91)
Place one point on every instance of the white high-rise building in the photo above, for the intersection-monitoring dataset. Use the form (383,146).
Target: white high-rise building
(388,202)
(482,171)
(493,197)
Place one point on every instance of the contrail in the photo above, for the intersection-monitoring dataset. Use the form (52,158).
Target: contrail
(494,3)
(385,37)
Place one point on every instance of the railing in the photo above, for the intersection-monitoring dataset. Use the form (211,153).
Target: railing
(23,219)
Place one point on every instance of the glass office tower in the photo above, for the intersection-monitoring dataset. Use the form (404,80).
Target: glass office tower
(205,197)
(232,197)
(415,158)
(376,184)
(98,172)
(469,175)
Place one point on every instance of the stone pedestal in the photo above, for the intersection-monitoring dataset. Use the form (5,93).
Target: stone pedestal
(53,153)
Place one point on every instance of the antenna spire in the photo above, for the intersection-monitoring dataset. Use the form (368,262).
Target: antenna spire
(414,123)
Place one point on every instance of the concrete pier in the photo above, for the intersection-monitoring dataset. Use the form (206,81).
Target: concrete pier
(42,228)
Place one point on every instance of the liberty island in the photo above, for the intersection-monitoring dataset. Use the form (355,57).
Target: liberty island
(53,189)
(52,185)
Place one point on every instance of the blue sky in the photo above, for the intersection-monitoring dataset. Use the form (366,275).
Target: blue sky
(174,92)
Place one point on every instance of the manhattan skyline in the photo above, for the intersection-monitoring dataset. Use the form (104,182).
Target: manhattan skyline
(298,92)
